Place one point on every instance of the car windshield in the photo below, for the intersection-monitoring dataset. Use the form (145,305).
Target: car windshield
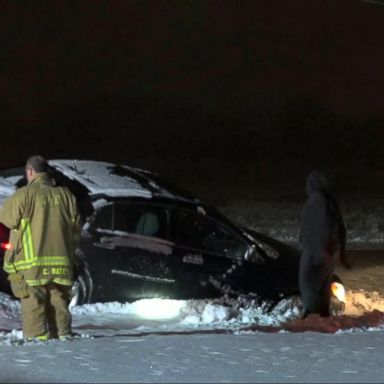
(196,231)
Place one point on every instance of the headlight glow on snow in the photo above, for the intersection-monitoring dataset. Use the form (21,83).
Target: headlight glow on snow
(158,309)
(339,291)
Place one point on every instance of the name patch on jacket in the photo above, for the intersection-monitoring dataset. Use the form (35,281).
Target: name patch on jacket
(56,271)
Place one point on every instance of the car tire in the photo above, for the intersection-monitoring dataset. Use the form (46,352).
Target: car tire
(81,289)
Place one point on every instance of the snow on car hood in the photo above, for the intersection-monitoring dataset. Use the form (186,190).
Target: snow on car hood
(98,178)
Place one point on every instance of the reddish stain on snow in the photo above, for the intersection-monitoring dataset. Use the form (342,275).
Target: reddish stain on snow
(332,324)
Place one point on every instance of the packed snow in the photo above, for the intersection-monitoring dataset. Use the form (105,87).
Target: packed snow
(221,340)
(364,310)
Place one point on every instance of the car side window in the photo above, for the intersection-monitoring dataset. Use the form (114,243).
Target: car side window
(194,230)
(103,219)
(140,219)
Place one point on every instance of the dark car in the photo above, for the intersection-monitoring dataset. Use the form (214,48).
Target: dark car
(143,239)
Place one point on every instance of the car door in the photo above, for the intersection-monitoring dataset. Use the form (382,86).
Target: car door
(99,256)
(140,262)
(206,252)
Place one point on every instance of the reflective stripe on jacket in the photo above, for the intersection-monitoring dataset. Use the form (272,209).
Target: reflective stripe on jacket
(45,226)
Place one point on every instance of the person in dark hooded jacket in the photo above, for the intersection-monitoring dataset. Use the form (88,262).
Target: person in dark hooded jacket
(323,240)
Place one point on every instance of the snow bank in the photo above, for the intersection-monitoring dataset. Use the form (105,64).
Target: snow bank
(364,311)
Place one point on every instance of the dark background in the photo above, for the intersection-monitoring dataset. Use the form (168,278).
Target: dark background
(217,95)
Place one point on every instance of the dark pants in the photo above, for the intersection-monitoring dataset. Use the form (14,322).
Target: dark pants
(315,286)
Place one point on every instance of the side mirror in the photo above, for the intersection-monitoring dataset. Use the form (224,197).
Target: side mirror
(253,256)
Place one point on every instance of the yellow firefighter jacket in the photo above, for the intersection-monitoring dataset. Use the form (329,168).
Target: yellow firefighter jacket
(45,227)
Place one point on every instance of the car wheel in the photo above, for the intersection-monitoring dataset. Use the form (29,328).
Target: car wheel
(81,289)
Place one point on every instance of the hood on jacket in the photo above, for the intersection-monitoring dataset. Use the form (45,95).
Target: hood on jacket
(316,182)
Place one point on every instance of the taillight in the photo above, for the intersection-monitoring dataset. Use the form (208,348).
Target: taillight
(6,246)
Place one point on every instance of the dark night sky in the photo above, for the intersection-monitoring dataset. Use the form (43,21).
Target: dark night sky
(142,81)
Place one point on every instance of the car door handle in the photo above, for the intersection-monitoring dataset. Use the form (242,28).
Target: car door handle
(105,243)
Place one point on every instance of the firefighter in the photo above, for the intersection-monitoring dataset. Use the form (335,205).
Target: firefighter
(323,241)
(45,227)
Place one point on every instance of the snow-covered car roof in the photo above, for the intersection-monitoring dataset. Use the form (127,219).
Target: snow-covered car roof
(99,178)
(103,180)
(112,180)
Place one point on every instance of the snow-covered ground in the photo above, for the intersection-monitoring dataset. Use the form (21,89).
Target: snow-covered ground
(156,315)
(220,340)
(216,340)
(234,316)
(280,218)
(201,341)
